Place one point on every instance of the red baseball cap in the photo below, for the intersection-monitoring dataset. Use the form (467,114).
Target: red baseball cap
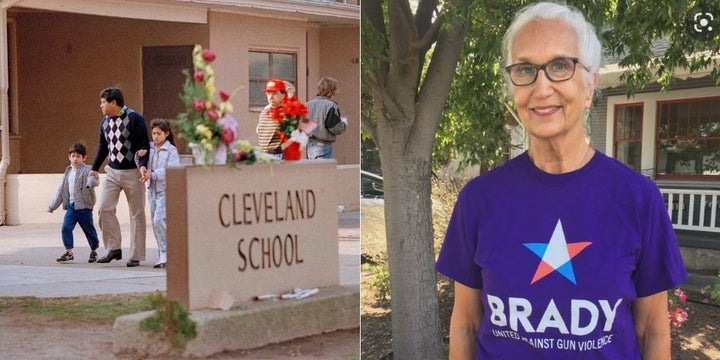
(274,85)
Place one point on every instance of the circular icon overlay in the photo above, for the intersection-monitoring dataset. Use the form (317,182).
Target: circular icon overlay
(702,22)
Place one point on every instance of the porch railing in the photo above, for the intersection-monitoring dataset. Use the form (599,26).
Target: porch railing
(697,210)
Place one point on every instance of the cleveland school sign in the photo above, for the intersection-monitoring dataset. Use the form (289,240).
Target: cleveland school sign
(256,230)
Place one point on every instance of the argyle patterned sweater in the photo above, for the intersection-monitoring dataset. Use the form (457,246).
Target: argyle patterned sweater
(120,138)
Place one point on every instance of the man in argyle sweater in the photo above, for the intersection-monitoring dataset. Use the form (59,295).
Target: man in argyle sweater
(122,133)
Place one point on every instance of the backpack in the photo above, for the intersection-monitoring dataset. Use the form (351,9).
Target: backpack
(333,123)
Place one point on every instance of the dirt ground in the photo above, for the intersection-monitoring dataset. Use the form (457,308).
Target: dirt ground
(39,337)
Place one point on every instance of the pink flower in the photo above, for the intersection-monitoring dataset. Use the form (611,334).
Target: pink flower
(227,136)
(229,129)
(198,104)
(677,317)
(224,96)
(680,294)
(212,115)
(199,76)
(208,55)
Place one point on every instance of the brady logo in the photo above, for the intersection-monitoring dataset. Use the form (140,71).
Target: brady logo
(517,313)
(556,255)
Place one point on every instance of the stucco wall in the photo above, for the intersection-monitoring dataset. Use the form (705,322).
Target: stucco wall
(327,51)
(233,37)
(340,49)
(64,61)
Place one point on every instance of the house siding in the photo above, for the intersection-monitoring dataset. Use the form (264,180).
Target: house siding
(599,116)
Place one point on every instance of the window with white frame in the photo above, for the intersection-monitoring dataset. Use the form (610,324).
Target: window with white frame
(688,139)
(628,134)
(265,65)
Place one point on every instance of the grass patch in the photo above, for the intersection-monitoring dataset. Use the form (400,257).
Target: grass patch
(171,321)
(96,309)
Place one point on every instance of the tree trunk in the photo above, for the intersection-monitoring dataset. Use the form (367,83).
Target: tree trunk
(408,97)
(408,220)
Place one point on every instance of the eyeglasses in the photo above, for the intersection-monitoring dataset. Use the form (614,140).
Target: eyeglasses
(556,70)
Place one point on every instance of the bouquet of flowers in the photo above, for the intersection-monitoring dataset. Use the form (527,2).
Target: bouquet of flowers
(293,127)
(206,125)
(244,153)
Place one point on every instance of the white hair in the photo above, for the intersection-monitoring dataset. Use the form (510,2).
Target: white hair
(588,43)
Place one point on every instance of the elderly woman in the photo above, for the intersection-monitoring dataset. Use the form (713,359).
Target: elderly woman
(563,252)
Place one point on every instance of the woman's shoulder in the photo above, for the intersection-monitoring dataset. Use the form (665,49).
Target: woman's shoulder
(622,171)
(618,177)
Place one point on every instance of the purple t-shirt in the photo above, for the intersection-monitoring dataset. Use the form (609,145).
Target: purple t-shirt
(560,258)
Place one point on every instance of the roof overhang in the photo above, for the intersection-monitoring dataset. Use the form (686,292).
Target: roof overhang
(610,74)
(320,12)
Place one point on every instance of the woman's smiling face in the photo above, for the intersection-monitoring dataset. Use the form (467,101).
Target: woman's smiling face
(550,110)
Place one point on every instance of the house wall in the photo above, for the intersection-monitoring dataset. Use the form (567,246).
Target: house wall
(64,61)
(601,123)
(320,51)
(232,37)
(340,53)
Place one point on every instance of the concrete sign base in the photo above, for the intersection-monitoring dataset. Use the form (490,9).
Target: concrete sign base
(250,325)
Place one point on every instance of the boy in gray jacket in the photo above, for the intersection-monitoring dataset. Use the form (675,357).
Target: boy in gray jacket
(77,196)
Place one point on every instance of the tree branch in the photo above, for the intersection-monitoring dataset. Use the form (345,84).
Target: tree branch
(384,99)
(430,36)
(373,20)
(438,79)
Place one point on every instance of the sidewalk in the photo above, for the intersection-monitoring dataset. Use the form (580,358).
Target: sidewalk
(28,266)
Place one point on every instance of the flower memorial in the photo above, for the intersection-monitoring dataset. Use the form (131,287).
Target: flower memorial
(676,302)
(293,127)
(244,153)
(208,127)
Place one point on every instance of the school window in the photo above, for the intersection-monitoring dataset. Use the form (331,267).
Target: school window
(688,139)
(265,65)
(628,134)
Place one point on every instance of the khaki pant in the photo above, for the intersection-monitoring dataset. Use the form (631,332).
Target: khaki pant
(114,182)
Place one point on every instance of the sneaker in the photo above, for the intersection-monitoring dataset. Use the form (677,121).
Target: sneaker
(67,256)
(93,256)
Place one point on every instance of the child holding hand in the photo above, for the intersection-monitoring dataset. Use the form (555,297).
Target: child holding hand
(163,153)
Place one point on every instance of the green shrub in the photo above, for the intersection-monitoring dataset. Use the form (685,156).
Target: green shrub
(715,293)
(381,284)
(171,321)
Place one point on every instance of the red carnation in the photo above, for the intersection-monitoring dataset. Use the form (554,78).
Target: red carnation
(208,55)
(224,96)
(212,115)
(198,104)
(227,136)
(199,75)
(277,114)
(295,108)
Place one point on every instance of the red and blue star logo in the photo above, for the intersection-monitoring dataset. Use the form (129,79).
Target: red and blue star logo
(556,255)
